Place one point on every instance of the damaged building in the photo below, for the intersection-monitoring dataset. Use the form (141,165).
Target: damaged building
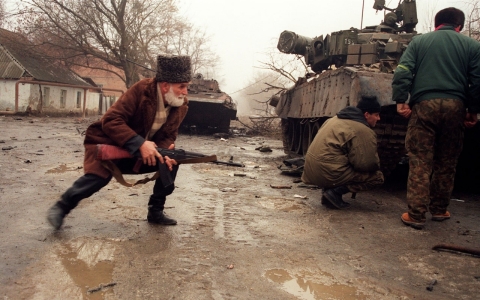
(29,83)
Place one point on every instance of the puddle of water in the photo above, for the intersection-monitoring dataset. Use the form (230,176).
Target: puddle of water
(291,208)
(89,264)
(280,204)
(62,169)
(312,288)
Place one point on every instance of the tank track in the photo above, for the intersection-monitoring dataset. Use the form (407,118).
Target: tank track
(391,131)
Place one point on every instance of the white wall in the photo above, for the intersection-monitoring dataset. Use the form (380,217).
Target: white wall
(29,96)
(92,104)
(7,95)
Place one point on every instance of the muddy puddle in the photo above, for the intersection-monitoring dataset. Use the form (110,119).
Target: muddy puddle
(78,269)
(285,205)
(312,286)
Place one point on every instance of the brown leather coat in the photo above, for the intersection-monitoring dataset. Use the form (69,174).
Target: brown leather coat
(132,114)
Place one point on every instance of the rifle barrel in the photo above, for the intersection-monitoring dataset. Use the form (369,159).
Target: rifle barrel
(228,163)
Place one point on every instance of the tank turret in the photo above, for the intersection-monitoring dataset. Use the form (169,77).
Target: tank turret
(381,44)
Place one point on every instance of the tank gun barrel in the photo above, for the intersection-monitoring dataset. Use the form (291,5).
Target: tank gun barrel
(292,43)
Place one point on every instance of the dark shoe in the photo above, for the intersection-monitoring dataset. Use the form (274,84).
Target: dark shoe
(329,205)
(55,216)
(334,196)
(158,217)
(407,220)
(441,217)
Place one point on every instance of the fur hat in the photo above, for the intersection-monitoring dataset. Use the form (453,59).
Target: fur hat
(369,104)
(173,69)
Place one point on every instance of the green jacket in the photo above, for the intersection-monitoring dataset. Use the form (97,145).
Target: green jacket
(344,145)
(439,64)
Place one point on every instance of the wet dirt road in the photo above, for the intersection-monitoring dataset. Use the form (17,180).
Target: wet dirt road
(236,238)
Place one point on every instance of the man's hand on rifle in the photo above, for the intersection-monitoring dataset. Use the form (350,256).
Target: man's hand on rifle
(149,153)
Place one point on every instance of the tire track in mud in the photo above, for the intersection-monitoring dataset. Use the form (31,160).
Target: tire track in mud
(219,217)
(216,215)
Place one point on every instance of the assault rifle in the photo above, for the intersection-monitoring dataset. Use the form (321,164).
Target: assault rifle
(106,153)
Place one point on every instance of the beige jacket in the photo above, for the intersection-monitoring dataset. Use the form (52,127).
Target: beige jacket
(341,147)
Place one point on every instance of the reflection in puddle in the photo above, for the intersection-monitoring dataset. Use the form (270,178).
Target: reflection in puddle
(320,285)
(62,169)
(89,264)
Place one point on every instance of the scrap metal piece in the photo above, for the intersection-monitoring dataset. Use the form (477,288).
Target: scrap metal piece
(431,284)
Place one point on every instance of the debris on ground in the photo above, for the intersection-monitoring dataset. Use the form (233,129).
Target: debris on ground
(281,186)
(101,287)
(221,135)
(293,167)
(455,248)
(239,174)
(264,149)
(431,284)
(308,186)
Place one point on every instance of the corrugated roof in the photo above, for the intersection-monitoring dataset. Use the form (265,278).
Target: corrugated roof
(17,61)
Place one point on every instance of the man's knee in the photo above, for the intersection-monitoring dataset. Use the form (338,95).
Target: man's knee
(84,187)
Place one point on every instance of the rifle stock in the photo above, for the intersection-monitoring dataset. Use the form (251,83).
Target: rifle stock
(110,152)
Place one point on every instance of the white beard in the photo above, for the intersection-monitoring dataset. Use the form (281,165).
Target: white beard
(172,99)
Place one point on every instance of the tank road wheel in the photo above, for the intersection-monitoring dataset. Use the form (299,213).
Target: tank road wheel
(291,134)
(391,130)
(297,142)
(295,130)
(286,134)
(316,126)
(306,136)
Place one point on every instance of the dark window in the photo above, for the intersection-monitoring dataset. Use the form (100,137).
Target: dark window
(79,99)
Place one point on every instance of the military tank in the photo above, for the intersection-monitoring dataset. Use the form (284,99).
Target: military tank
(352,63)
(209,109)
(347,65)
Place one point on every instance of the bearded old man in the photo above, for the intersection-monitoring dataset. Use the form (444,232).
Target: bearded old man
(147,116)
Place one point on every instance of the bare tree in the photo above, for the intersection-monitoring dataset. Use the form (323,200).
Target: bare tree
(428,19)
(472,22)
(2,13)
(255,95)
(288,67)
(115,32)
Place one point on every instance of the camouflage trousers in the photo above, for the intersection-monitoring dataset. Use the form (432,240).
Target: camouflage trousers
(434,141)
(365,181)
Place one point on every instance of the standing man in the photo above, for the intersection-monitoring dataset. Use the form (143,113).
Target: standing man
(441,72)
(343,155)
(147,116)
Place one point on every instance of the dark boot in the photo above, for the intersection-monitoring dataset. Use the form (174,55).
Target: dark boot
(82,188)
(159,217)
(156,214)
(56,214)
(327,203)
(334,196)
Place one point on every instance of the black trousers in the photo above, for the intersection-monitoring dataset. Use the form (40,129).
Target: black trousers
(89,184)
